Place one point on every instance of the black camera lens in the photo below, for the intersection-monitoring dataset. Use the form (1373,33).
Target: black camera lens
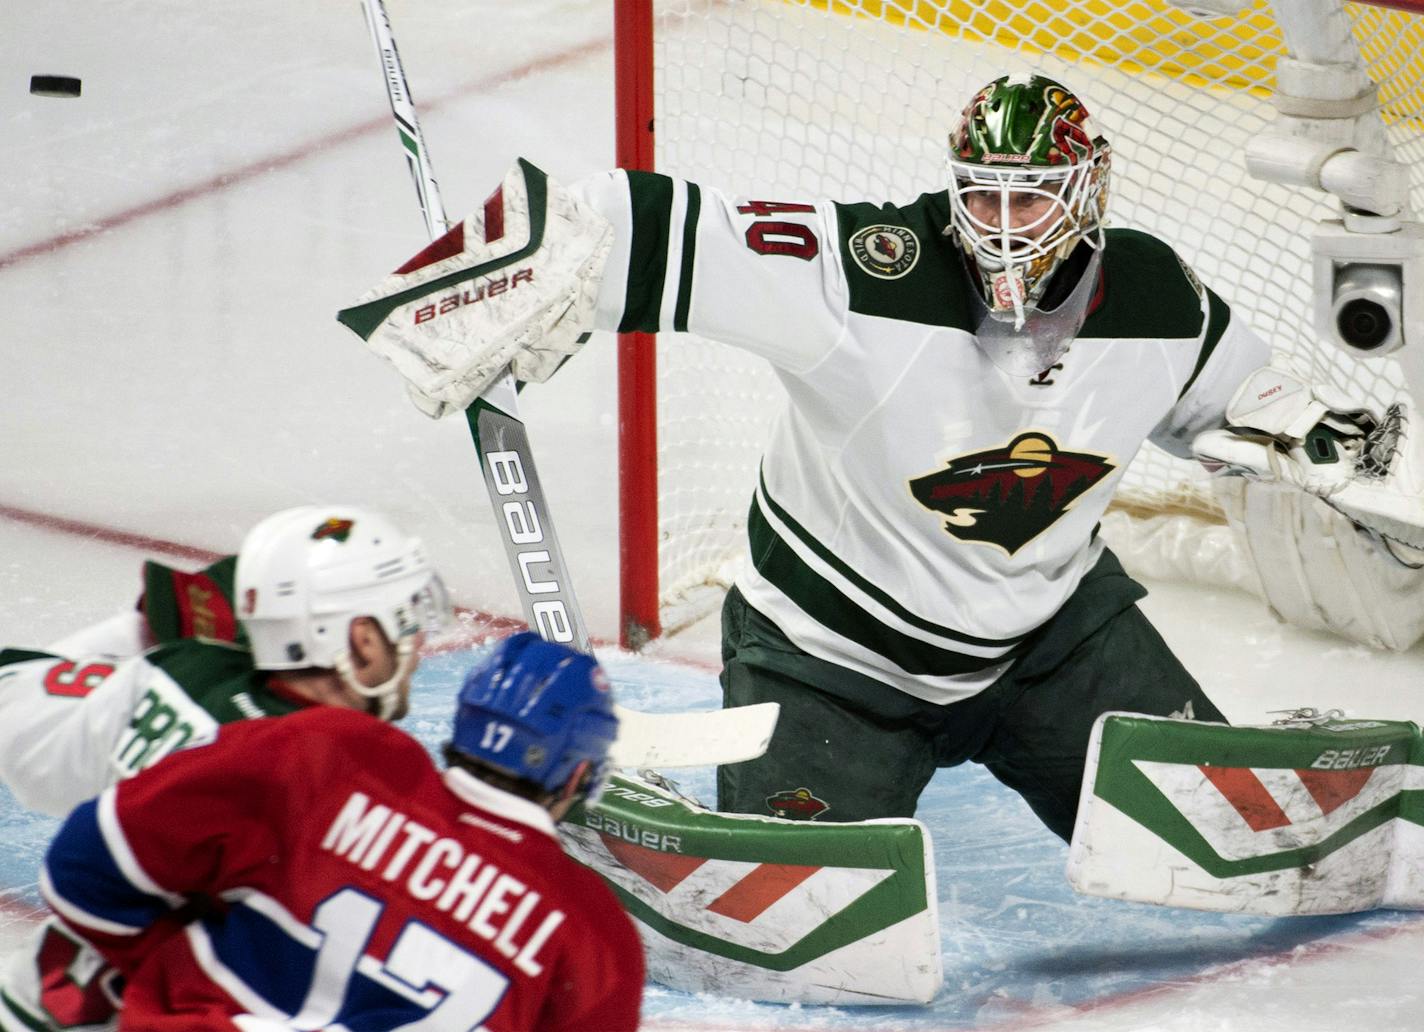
(1363,323)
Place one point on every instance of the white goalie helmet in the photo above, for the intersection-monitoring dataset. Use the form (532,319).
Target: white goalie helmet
(304,574)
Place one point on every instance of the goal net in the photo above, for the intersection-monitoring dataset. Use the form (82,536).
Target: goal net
(852,100)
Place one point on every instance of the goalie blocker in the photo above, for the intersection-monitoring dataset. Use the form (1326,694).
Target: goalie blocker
(523,272)
(1318,816)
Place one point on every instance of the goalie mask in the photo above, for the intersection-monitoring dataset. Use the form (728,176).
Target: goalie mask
(304,574)
(1027,197)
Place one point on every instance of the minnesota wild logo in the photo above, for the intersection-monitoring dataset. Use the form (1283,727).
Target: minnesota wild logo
(796,804)
(336,529)
(885,251)
(1008,496)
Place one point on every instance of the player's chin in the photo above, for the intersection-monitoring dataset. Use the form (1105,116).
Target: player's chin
(373,707)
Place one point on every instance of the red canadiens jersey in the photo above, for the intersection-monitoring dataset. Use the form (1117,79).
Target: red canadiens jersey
(318,872)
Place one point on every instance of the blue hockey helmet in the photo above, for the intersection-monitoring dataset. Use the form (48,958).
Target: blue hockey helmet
(537,710)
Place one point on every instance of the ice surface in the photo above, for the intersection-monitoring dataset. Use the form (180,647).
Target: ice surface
(173,248)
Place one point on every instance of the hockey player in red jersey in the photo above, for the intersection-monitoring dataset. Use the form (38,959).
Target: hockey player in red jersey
(332,603)
(319,871)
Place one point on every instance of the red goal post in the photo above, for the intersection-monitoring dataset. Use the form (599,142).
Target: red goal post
(852,99)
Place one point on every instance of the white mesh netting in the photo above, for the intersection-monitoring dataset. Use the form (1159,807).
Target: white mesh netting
(852,100)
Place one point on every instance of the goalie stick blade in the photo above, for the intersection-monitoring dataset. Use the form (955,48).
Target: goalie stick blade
(693,739)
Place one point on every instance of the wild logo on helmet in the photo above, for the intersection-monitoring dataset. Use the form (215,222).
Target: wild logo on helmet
(1007,496)
(334,528)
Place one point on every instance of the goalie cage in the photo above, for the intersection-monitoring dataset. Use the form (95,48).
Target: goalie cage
(852,99)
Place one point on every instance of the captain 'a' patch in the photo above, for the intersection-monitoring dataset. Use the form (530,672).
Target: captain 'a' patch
(1008,496)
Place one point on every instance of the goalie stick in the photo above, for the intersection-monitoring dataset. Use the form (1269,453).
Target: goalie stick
(541,576)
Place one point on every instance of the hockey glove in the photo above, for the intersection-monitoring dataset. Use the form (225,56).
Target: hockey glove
(1315,438)
(512,286)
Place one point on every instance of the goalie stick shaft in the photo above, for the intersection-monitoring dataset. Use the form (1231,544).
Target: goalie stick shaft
(540,575)
(417,158)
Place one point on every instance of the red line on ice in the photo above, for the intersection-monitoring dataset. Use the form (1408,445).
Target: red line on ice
(108,535)
(234,177)
(478,626)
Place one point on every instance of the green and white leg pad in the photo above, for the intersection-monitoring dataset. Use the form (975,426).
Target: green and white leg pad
(1317,816)
(766,909)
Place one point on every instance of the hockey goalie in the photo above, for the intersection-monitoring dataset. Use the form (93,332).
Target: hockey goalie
(968,374)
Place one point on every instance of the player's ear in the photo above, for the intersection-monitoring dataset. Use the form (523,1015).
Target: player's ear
(366,640)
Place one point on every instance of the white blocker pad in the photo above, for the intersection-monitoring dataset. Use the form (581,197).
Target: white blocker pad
(759,908)
(1319,817)
(512,285)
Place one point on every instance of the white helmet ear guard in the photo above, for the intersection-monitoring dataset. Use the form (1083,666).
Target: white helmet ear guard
(304,574)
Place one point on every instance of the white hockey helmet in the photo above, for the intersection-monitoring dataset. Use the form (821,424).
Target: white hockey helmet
(304,574)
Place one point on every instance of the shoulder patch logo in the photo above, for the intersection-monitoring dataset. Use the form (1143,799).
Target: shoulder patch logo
(887,252)
(1007,496)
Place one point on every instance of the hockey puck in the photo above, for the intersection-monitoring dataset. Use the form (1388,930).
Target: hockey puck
(54,85)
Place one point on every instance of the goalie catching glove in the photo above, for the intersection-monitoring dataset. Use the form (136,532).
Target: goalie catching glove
(512,286)
(1369,469)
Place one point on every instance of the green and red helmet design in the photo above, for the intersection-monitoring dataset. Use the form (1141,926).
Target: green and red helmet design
(1025,121)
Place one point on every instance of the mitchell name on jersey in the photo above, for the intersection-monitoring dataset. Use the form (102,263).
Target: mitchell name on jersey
(919,512)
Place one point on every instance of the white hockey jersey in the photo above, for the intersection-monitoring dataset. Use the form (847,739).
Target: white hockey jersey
(919,512)
(71,727)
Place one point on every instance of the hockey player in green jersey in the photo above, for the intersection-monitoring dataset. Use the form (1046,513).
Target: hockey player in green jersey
(968,376)
(331,607)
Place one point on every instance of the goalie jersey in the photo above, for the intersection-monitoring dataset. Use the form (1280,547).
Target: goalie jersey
(318,871)
(919,513)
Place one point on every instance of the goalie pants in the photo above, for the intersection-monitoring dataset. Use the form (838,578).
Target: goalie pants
(849,748)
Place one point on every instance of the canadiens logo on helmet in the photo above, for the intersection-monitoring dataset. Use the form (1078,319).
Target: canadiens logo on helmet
(797,804)
(334,528)
(1007,496)
(1004,286)
(887,252)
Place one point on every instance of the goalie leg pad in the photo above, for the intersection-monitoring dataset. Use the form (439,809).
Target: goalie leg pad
(767,909)
(1320,570)
(1322,816)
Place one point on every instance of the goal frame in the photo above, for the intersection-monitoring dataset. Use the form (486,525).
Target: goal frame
(640,541)
(638,621)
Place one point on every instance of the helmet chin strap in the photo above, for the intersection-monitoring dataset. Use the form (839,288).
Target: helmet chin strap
(385,695)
